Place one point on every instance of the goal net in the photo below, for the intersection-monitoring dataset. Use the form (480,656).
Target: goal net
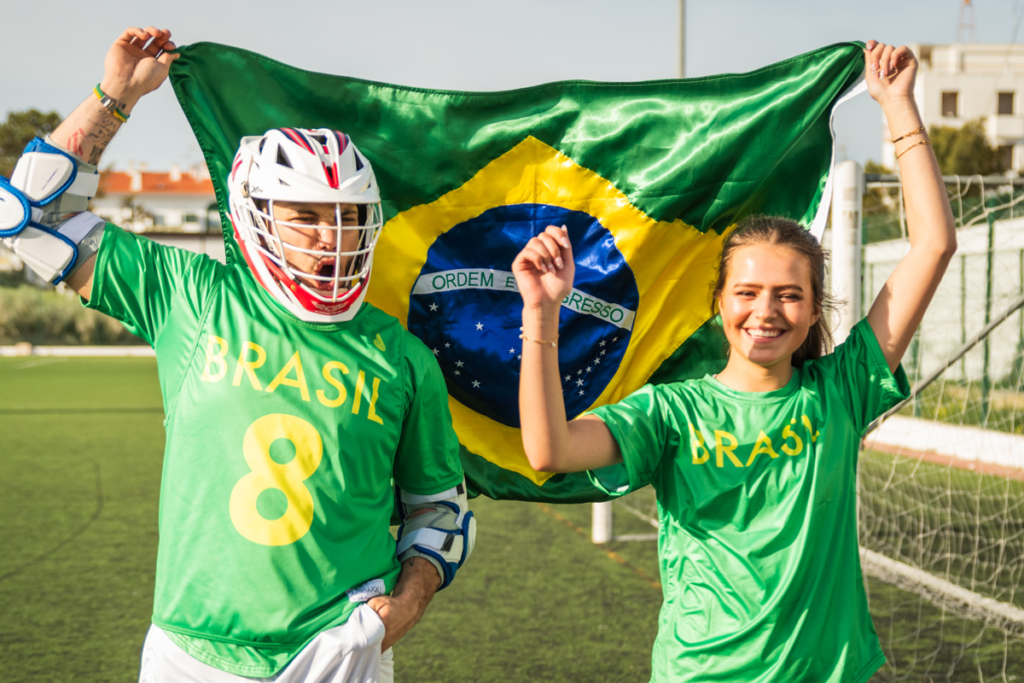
(941,483)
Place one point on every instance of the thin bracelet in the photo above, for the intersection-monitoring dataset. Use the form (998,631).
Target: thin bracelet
(913,132)
(926,141)
(110,104)
(539,341)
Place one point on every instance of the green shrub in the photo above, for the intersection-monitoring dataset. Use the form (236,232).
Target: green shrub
(48,317)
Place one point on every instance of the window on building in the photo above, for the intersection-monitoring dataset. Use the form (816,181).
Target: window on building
(213,219)
(1006,104)
(950,104)
(158,220)
(1005,153)
(190,218)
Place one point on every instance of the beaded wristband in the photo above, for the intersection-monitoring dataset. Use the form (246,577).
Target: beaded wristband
(110,104)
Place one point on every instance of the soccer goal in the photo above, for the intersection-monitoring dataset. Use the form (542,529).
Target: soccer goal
(941,479)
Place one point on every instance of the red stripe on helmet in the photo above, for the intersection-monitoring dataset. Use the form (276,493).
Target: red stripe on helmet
(332,175)
(245,255)
(296,137)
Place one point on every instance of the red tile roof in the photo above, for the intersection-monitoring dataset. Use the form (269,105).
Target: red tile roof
(120,182)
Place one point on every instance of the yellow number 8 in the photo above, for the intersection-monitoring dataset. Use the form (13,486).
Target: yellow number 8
(287,478)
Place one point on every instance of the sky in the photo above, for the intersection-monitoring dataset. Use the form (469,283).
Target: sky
(463,45)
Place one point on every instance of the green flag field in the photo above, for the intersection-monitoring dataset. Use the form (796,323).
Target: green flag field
(81,449)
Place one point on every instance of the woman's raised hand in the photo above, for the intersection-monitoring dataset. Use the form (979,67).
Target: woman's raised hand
(544,269)
(890,72)
(132,68)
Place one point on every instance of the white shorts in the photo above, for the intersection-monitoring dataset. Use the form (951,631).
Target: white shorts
(349,653)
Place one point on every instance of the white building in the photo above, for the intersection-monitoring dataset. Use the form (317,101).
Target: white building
(147,201)
(965,81)
(958,310)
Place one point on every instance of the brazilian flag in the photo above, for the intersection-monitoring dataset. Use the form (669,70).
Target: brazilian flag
(648,177)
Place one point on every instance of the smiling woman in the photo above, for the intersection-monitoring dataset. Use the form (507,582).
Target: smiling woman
(771,294)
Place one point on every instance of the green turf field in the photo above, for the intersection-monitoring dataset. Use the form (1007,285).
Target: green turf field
(81,444)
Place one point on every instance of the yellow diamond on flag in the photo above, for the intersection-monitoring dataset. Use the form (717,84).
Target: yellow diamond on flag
(671,265)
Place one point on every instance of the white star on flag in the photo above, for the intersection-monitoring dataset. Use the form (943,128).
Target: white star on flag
(447,345)
(511,350)
(479,326)
(597,361)
(568,377)
(581,392)
(589,369)
(433,307)
(476,385)
(436,352)
(602,342)
(457,372)
(459,363)
(579,383)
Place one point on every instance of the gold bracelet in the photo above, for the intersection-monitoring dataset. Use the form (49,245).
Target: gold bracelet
(539,341)
(926,141)
(913,132)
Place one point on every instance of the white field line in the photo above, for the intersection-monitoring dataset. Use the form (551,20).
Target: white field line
(971,444)
(943,593)
(69,351)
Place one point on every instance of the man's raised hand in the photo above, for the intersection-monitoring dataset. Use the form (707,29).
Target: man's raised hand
(136,64)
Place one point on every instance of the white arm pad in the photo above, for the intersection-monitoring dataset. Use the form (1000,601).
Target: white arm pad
(53,253)
(47,185)
(439,528)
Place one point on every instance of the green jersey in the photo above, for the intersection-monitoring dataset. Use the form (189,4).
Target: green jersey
(283,441)
(757,500)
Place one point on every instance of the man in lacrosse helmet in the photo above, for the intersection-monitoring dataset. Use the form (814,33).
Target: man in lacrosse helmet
(306,210)
(291,403)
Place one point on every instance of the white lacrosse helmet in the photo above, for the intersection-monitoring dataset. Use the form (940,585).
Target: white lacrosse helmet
(319,166)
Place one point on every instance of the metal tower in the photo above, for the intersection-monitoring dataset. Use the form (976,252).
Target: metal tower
(966,31)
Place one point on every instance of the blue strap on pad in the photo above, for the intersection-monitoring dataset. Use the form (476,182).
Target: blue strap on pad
(15,210)
(438,527)
(45,188)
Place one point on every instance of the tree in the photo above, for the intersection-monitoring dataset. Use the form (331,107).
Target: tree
(135,217)
(965,151)
(880,213)
(18,131)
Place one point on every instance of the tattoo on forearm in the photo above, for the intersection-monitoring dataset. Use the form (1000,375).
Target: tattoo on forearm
(75,143)
(101,134)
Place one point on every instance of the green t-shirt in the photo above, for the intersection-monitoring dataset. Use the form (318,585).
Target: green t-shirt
(283,441)
(757,501)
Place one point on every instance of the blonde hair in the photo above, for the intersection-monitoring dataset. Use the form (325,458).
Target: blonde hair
(782,232)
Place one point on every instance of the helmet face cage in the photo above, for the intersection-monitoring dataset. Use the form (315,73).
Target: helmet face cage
(352,256)
(318,276)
